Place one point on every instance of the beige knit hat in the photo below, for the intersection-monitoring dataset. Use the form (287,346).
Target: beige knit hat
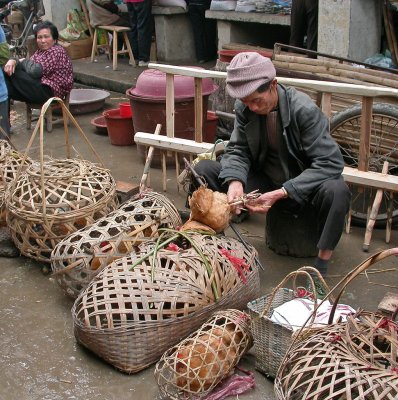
(246,72)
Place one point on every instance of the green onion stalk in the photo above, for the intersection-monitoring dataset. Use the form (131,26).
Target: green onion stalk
(160,243)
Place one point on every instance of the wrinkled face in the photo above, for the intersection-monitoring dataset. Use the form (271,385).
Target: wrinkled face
(44,39)
(263,103)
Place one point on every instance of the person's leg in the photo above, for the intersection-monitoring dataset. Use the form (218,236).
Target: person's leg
(22,87)
(4,119)
(144,29)
(210,37)
(298,23)
(133,35)
(312,24)
(196,16)
(332,202)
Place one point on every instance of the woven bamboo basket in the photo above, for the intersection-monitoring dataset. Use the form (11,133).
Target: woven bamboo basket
(356,360)
(271,340)
(78,258)
(200,362)
(5,148)
(54,198)
(139,306)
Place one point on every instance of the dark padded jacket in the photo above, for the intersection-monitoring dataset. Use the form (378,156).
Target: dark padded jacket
(309,155)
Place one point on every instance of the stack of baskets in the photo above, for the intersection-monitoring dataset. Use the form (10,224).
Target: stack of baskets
(79,257)
(139,306)
(51,200)
(354,360)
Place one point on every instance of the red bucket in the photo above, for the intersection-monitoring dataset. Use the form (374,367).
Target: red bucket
(120,129)
(125,110)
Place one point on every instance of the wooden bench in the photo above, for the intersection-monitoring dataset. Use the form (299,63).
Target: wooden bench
(260,29)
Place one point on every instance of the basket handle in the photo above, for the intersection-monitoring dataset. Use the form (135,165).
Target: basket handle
(40,125)
(304,271)
(355,272)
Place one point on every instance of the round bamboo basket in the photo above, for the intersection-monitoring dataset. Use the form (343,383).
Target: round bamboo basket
(51,200)
(352,360)
(200,362)
(148,301)
(78,258)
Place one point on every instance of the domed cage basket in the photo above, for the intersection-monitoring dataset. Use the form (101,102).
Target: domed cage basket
(195,366)
(78,257)
(49,201)
(355,360)
(147,302)
(10,162)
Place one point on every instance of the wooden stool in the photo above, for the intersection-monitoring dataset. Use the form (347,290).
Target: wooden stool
(115,52)
(292,234)
(49,113)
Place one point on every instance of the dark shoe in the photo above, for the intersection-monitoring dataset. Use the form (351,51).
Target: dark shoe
(320,291)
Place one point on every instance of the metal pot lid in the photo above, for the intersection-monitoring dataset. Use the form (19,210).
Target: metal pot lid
(151,84)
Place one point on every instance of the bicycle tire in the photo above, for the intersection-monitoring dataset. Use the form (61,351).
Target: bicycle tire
(345,129)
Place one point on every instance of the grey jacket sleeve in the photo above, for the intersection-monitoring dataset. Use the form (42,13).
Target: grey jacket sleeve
(320,154)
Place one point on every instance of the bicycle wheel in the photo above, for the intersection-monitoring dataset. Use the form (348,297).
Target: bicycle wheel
(345,127)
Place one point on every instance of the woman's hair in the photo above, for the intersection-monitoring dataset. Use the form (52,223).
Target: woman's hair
(46,25)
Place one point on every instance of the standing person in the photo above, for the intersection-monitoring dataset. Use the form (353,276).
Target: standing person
(140,17)
(4,56)
(281,146)
(304,22)
(204,30)
(46,74)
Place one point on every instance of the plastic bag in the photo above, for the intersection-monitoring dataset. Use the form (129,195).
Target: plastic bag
(76,26)
(381,60)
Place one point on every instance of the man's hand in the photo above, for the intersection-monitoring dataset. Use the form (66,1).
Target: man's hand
(9,68)
(264,202)
(235,190)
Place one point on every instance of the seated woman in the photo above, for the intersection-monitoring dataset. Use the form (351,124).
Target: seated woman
(48,73)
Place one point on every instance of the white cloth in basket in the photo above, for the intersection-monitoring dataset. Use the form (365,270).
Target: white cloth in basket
(294,313)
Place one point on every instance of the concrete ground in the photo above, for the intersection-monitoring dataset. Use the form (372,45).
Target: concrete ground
(39,357)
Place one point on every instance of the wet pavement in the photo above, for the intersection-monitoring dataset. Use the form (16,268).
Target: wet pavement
(39,357)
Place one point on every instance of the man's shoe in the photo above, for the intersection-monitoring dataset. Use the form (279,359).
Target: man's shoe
(320,291)
(143,63)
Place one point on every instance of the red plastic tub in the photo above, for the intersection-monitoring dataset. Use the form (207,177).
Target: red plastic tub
(210,127)
(120,129)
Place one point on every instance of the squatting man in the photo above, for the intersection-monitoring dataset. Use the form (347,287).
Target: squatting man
(280,145)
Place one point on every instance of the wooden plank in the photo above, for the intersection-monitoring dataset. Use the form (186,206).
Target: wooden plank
(374,212)
(327,104)
(364,141)
(370,179)
(174,144)
(170,105)
(198,101)
(321,86)
(86,17)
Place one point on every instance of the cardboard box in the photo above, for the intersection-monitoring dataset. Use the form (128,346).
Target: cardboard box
(78,48)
